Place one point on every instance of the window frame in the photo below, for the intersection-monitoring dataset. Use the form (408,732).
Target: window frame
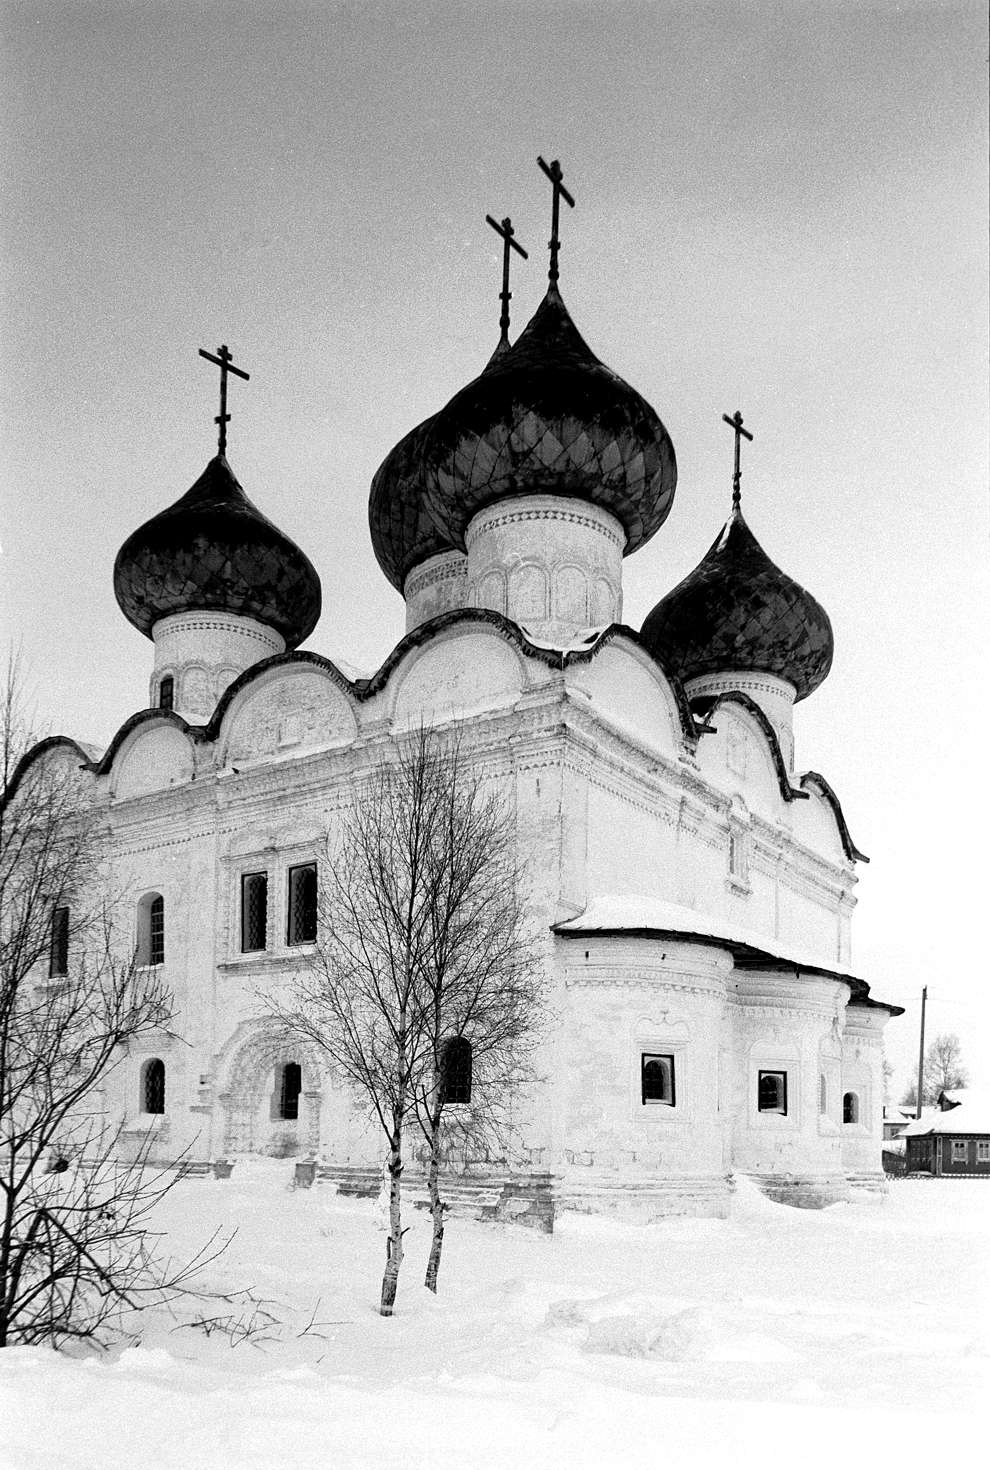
(155,1090)
(245,879)
(851,1108)
(669,1072)
(166,692)
(464,1084)
(284,1098)
(963,1145)
(779,1110)
(983,1150)
(58,942)
(292,917)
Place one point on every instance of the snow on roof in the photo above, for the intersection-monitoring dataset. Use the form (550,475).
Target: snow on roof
(971,1116)
(618,911)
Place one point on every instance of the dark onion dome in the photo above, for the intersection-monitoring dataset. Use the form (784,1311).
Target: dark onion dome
(403,533)
(215,551)
(738,612)
(547,418)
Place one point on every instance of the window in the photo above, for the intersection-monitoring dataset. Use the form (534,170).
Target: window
(959,1150)
(983,1151)
(738,856)
(58,954)
(151,930)
(166,693)
(455,1070)
(302,904)
(289,1087)
(657,1077)
(822,1093)
(254,911)
(771,1092)
(153,1086)
(850,1107)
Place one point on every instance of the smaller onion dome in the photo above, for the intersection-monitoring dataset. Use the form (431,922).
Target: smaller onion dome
(213,550)
(547,418)
(403,533)
(738,612)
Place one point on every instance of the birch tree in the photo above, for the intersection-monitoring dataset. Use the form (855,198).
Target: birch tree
(423,944)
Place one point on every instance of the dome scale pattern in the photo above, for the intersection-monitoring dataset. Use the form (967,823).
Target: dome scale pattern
(547,418)
(737,611)
(215,551)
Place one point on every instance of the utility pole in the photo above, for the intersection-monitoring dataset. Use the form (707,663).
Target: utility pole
(921,1046)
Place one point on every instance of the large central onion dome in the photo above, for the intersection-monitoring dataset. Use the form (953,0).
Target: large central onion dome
(547,418)
(738,612)
(213,550)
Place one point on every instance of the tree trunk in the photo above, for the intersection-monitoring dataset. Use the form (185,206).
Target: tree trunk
(437,1210)
(393,1258)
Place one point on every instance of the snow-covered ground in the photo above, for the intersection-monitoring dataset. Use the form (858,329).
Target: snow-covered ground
(847,1337)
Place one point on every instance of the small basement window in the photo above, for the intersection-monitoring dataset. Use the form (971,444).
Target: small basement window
(254,912)
(657,1079)
(771,1092)
(302,904)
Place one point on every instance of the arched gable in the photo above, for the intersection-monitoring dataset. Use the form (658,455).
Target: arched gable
(629,689)
(286,708)
(465,670)
(826,808)
(57,759)
(155,754)
(740,753)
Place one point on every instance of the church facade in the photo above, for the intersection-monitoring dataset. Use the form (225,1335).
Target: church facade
(694,886)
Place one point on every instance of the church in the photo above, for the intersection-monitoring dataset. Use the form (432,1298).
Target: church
(694,884)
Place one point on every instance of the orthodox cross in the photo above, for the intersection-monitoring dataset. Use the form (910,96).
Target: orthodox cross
(225,365)
(509,244)
(736,423)
(555,174)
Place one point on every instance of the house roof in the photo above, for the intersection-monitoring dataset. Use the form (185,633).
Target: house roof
(971,1116)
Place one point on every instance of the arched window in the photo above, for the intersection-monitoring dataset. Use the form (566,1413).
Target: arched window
(850,1107)
(166,693)
(289,1086)
(153,1086)
(151,930)
(657,1078)
(455,1070)
(822,1093)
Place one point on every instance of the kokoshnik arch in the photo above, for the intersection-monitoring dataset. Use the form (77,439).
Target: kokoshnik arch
(694,886)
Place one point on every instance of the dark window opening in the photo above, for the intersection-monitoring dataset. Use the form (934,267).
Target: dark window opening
(254,911)
(455,1071)
(156,931)
(302,904)
(850,1108)
(153,1086)
(289,1089)
(657,1078)
(58,955)
(771,1092)
(166,693)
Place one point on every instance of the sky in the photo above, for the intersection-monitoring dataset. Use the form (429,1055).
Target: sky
(780,207)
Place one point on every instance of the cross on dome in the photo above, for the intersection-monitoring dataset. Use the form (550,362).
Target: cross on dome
(555,174)
(736,423)
(225,364)
(509,244)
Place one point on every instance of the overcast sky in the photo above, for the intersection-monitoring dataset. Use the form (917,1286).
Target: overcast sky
(781,207)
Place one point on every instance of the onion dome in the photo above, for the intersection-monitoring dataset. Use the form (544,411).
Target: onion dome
(547,418)
(403,533)
(214,550)
(738,612)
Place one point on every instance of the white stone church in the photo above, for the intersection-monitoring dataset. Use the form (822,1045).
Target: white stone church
(694,883)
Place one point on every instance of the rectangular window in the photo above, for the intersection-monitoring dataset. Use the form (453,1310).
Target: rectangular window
(657,1076)
(983,1151)
(58,954)
(959,1150)
(156,932)
(254,911)
(771,1092)
(302,904)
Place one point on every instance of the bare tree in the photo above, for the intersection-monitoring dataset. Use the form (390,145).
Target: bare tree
(423,947)
(943,1066)
(73,1219)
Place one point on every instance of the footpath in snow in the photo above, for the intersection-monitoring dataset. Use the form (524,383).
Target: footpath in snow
(846,1337)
